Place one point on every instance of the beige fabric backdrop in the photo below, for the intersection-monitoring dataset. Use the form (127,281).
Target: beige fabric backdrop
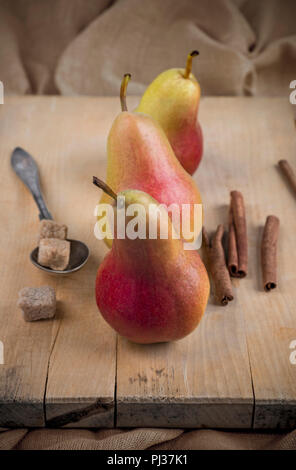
(84,46)
(140,439)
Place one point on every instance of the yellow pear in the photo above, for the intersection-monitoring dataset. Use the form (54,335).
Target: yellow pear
(172,99)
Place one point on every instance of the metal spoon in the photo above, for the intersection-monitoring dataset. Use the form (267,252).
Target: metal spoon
(26,168)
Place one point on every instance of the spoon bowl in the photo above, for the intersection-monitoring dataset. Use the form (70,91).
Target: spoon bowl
(79,255)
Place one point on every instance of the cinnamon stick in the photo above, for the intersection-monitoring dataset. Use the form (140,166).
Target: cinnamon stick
(237,239)
(217,266)
(269,252)
(232,249)
(289,173)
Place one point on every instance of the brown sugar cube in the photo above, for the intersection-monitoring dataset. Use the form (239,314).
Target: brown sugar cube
(37,303)
(54,253)
(51,229)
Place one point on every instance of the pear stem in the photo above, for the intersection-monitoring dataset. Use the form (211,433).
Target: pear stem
(125,80)
(102,185)
(189,63)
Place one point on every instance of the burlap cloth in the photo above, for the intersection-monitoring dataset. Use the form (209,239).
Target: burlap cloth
(247,47)
(84,46)
(144,438)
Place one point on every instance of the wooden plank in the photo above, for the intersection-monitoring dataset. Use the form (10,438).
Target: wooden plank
(71,360)
(207,375)
(245,155)
(204,379)
(201,381)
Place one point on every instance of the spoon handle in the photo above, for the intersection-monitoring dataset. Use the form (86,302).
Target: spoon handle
(26,168)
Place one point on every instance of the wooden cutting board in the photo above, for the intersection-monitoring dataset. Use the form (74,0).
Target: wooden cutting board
(235,370)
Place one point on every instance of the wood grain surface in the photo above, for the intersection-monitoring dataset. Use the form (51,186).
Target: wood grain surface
(59,372)
(234,370)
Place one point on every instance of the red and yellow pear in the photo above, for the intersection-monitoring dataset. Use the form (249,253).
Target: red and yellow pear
(150,290)
(141,157)
(172,99)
